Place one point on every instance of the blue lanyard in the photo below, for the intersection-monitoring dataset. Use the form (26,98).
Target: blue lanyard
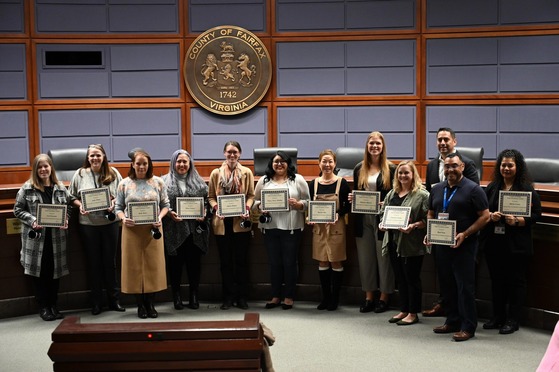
(446,201)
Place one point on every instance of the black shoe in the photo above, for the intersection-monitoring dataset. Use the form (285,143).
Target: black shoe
(57,314)
(226,305)
(95,310)
(510,326)
(368,306)
(177,301)
(323,305)
(381,307)
(46,314)
(150,309)
(242,304)
(142,312)
(116,306)
(193,300)
(493,324)
(286,307)
(272,305)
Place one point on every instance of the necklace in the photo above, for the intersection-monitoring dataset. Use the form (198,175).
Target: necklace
(322,180)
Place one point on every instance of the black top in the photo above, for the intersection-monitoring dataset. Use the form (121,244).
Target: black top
(344,206)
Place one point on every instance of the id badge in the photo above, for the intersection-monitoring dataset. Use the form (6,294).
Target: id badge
(499,229)
(443,216)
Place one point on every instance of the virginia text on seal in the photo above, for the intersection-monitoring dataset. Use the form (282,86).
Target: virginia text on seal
(227,70)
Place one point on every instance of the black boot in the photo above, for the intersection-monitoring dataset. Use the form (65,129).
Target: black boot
(142,312)
(56,313)
(177,300)
(325,285)
(336,284)
(114,301)
(148,297)
(193,299)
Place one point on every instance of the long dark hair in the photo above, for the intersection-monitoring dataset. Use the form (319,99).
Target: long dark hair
(522,177)
(269,172)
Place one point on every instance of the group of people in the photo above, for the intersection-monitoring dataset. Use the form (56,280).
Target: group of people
(389,258)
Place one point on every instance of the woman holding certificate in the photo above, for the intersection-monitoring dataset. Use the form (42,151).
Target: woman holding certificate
(92,190)
(282,196)
(231,196)
(374,173)
(403,239)
(329,239)
(141,203)
(186,239)
(42,201)
(507,239)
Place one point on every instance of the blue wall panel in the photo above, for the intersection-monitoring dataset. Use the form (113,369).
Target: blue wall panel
(210,132)
(157,18)
(14,140)
(74,123)
(145,84)
(11,17)
(344,15)
(71,17)
(528,12)
(206,14)
(74,85)
(13,82)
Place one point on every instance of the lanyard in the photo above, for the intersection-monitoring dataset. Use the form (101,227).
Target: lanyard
(95,179)
(446,201)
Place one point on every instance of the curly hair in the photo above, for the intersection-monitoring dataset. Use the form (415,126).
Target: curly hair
(522,177)
(269,172)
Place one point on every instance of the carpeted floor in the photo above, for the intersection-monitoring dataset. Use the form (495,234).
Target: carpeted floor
(309,340)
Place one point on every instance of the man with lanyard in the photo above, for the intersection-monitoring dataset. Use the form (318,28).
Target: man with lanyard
(464,201)
(446,142)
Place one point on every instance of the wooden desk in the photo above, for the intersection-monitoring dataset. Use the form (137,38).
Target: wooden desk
(163,346)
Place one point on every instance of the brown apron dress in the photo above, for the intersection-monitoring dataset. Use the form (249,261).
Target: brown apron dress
(328,243)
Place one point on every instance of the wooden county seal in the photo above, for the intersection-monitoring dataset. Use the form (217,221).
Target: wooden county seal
(227,70)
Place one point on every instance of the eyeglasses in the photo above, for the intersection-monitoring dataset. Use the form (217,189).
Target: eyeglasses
(279,162)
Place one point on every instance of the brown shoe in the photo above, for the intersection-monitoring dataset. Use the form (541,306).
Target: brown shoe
(446,328)
(437,310)
(462,336)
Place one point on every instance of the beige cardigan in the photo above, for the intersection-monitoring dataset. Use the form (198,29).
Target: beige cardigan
(247,181)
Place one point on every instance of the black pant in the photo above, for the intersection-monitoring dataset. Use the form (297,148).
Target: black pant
(508,282)
(283,247)
(46,287)
(189,256)
(408,276)
(233,256)
(101,243)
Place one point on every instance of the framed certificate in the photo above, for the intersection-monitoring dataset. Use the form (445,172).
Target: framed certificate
(396,217)
(275,200)
(51,215)
(516,203)
(322,211)
(143,212)
(441,232)
(190,207)
(231,205)
(96,199)
(367,202)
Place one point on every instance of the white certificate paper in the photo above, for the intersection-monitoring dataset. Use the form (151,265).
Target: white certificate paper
(231,205)
(396,217)
(51,215)
(275,200)
(442,232)
(143,212)
(96,199)
(516,203)
(190,208)
(367,202)
(322,211)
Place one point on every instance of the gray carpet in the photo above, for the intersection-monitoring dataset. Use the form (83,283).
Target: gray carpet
(312,340)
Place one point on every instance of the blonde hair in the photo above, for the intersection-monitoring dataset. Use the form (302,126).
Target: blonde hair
(363,182)
(34,179)
(416,180)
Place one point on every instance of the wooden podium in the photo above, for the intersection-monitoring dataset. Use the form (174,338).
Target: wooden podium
(163,346)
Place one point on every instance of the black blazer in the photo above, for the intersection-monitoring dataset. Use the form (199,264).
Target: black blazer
(358,218)
(470,171)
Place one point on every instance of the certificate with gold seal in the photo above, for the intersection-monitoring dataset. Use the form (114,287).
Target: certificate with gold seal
(51,215)
(143,212)
(275,200)
(322,211)
(442,232)
(96,199)
(396,217)
(516,203)
(231,205)
(367,202)
(190,208)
